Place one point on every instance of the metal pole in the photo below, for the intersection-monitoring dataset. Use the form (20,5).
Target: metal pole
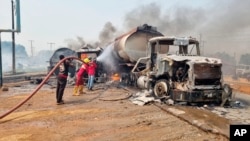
(18,17)
(201,45)
(1,71)
(51,45)
(235,66)
(13,40)
(31,48)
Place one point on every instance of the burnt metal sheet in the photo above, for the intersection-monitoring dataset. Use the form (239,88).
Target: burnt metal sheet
(194,59)
(207,71)
(197,96)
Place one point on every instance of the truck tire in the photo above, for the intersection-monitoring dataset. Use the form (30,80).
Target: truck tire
(226,95)
(161,88)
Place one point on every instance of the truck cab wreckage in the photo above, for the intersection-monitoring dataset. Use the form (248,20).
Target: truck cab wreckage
(175,69)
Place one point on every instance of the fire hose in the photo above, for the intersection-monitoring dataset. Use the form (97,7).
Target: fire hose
(38,87)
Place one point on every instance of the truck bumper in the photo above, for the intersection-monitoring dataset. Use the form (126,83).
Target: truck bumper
(197,96)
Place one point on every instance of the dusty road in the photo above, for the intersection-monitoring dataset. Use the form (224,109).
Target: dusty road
(93,116)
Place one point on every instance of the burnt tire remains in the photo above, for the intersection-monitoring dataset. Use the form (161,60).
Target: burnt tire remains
(161,88)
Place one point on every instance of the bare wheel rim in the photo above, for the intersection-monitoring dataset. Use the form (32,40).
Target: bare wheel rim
(161,89)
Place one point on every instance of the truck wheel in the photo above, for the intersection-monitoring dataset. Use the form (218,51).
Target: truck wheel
(161,88)
(226,95)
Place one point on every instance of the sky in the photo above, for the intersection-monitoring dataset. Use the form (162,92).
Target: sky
(221,25)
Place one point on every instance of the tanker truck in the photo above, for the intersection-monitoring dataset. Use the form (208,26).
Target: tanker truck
(121,55)
(169,66)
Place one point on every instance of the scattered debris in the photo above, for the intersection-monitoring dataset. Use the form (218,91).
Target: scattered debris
(144,97)
(170,102)
(237,104)
(5,88)
(36,81)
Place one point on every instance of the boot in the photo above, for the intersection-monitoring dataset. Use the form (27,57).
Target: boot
(81,89)
(75,91)
(90,89)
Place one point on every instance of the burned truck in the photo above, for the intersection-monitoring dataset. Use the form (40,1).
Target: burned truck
(174,68)
(170,66)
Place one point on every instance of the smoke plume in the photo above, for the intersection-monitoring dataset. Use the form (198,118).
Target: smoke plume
(75,44)
(179,21)
(221,27)
(107,34)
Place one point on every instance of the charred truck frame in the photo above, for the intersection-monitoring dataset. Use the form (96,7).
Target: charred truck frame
(176,69)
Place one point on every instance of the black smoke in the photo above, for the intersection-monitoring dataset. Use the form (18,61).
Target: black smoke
(107,34)
(76,44)
(223,26)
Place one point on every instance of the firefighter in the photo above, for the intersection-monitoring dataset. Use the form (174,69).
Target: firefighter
(62,79)
(91,73)
(79,78)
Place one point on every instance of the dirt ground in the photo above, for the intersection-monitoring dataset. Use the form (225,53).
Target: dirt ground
(102,114)
(241,85)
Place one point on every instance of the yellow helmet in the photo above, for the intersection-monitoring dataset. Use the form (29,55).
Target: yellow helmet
(86,60)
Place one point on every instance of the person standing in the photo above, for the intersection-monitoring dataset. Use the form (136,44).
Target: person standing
(62,79)
(91,73)
(79,78)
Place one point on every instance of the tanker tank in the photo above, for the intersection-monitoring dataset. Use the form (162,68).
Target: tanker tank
(133,45)
(54,59)
(125,50)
